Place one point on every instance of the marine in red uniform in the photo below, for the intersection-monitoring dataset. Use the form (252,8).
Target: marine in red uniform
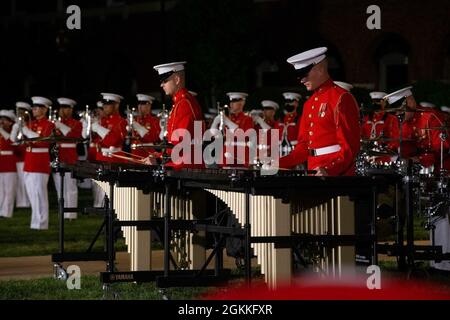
(37,163)
(70,128)
(380,126)
(96,115)
(429,138)
(268,126)
(8,175)
(329,135)
(234,154)
(185,114)
(291,120)
(146,127)
(23,111)
(112,129)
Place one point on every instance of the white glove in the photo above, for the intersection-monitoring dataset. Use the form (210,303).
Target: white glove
(5,134)
(101,131)
(230,124)
(261,122)
(161,135)
(65,129)
(29,133)
(140,129)
(14,132)
(216,122)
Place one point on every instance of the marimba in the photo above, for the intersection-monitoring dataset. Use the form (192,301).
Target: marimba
(276,214)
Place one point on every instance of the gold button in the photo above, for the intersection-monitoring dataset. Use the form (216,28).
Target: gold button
(310,133)
(332,163)
(316,99)
(312,107)
(310,116)
(311,124)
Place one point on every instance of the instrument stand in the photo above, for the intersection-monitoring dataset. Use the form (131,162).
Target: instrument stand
(63,256)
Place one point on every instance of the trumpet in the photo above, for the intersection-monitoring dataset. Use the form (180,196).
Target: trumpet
(86,116)
(20,121)
(163,119)
(221,112)
(130,118)
(53,115)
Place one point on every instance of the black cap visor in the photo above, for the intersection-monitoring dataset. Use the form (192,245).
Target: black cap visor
(163,77)
(303,72)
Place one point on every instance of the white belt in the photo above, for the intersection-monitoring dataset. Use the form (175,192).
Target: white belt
(68,145)
(325,150)
(39,150)
(93,145)
(106,151)
(293,142)
(6,153)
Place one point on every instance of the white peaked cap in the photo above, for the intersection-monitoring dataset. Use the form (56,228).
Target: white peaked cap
(169,67)
(344,85)
(145,97)
(292,96)
(237,95)
(41,100)
(270,104)
(306,58)
(399,94)
(256,112)
(427,104)
(8,114)
(23,105)
(377,95)
(445,109)
(67,102)
(212,110)
(112,97)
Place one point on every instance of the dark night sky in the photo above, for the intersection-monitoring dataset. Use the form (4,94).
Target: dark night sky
(225,43)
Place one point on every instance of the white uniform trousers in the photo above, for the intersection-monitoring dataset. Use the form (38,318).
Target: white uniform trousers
(8,182)
(70,193)
(36,185)
(22,200)
(98,194)
(442,238)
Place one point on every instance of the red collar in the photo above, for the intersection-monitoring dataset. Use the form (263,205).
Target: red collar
(324,86)
(181,94)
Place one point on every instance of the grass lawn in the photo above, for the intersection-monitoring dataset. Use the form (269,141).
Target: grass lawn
(91,289)
(17,239)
